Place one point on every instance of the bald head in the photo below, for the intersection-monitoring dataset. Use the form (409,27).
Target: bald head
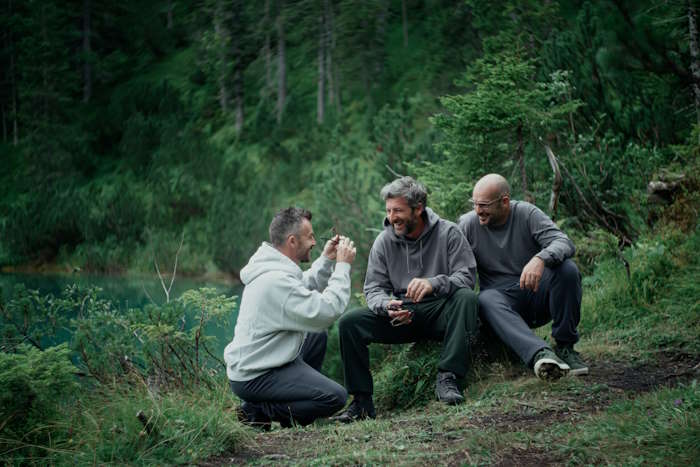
(491,200)
(493,183)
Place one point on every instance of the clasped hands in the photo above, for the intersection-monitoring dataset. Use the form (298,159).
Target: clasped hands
(416,290)
(340,249)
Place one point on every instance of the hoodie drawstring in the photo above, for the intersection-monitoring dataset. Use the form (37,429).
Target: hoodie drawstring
(420,255)
(408,264)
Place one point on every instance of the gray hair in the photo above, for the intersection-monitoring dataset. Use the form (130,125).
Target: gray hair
(406,187)
(285,223)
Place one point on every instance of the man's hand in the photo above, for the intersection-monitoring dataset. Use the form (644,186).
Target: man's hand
(345,251)
(532,273)
(330,248)
(418,288)
(398,315)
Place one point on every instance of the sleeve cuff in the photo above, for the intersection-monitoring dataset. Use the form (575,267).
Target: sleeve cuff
(545,256)
(342,267)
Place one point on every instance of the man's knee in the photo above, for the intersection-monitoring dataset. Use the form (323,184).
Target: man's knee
(465,296)
(351,320)
(338,398)
(568,273)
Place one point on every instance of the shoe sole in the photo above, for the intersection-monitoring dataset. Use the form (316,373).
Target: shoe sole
(578,371)
(450,401)
(549,369)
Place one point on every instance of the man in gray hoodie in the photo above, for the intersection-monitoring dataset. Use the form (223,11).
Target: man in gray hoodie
(418,286)
(526,277)
(279,342)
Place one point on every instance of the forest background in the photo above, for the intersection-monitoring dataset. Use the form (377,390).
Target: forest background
(125,126)
(135,130)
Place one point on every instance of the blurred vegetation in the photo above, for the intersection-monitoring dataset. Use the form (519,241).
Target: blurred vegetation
(125,126)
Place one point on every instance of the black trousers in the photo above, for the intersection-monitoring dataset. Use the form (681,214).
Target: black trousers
(512,312)
(296,392)
(451,320)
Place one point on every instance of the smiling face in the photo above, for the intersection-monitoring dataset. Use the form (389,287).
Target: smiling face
(491,206)
(404,219)
(304,242)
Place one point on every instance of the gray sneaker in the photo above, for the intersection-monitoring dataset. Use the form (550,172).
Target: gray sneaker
(548,366)
(446,388)
(573,359)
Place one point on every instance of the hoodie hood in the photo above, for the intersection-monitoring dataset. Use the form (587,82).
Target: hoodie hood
(429,217)
(431,220)
(268,259)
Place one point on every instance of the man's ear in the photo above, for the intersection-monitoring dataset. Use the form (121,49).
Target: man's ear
(419,209)
(292,241)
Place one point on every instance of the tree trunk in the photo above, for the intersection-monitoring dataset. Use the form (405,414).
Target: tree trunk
(404,18)
(267,91)
(4,125)
(380,34)
(44,69)
(321,92)
(13,83)
(281,63)
(87,67)
(171,5)
(694,55)
(237,49)
(521,162)
(556,182)
(331,85)
(220,34)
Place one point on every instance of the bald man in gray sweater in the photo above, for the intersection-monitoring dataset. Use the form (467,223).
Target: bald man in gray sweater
(526,278)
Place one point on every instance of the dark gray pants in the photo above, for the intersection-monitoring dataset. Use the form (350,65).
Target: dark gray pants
(511,312)
(295,392)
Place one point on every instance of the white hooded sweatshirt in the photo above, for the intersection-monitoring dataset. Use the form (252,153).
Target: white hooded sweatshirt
(280,304)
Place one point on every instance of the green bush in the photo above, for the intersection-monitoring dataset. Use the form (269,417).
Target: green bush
(407,376)
(33,387)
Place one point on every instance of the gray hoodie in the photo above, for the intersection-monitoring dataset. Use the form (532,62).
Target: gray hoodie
(440,254)
(279,305)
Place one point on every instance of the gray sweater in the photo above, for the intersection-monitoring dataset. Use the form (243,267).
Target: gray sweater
(440,254)
(502,252)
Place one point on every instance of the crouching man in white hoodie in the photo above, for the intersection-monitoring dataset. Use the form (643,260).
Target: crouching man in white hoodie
(279,341)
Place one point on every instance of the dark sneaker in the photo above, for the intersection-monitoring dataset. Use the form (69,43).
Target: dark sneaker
(446,388)
(251,414)
(358,410)
(573,359)
(548,365)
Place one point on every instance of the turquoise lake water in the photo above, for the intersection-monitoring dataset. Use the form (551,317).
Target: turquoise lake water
(125,292)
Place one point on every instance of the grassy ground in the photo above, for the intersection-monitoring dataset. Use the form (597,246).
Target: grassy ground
(639,405)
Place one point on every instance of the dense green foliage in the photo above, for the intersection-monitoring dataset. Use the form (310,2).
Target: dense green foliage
(126,126)
(155,360)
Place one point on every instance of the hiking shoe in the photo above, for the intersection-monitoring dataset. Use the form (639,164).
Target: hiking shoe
(548,365)
(573,359)
(250,414)
(358,410)
(446,388)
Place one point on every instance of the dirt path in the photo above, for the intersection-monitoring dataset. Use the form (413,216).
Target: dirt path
(620,380)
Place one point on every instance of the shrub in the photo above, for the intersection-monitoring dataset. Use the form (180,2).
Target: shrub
(33,385)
